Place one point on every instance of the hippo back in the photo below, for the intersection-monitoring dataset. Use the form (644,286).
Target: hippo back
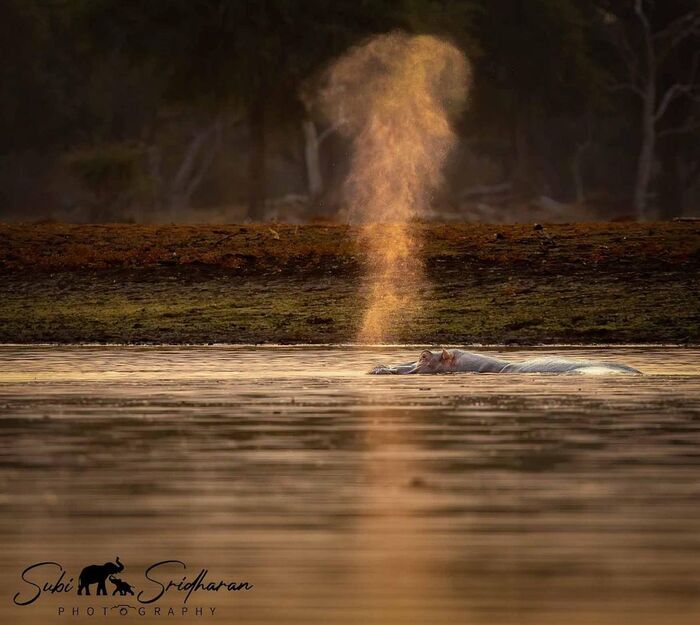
(476,363)
(562,365)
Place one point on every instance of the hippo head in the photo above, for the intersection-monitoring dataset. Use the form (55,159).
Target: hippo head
(435,362)
(428,362)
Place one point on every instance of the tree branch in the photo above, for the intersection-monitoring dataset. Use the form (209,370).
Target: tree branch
(328,131)
(342,120)
(679,130)
(195,164)
(188,163)
(205,163)
(678,89)
(673,92)
(628,55)
(648,37)
(628,86)
(676,32)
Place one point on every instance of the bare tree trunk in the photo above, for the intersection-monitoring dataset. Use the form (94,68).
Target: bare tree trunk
(646,155)
(215,140)
(577,162)
(644,72)
(314,178)
(257,183)
(196,162)
(155,172)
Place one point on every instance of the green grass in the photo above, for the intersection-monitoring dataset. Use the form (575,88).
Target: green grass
(612,283)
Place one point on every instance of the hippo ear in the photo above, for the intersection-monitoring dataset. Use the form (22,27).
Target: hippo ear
(445,355)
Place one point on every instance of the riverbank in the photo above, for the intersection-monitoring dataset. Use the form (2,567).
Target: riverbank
(277,283)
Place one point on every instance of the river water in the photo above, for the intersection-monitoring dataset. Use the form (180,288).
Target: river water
(348,498)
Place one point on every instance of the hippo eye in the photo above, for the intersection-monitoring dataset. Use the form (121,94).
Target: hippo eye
(425,355)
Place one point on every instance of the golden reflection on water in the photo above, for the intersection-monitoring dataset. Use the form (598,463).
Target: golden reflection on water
(349,498)
(388,531)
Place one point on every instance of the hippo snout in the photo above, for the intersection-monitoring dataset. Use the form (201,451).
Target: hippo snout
(393,369)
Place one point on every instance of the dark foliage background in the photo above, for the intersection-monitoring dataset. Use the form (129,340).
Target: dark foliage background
(202,110)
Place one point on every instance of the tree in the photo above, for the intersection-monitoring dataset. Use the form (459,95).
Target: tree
(646,49)
(236,57)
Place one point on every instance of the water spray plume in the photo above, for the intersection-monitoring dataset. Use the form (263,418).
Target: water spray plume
(393,96)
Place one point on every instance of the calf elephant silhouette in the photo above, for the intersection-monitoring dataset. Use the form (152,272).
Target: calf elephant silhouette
(98,574)
(122,587)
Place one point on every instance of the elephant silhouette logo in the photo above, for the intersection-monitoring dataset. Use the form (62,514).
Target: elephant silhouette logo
(121,587)
(98,574)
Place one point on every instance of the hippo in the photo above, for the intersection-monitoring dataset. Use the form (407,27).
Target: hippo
(457,360)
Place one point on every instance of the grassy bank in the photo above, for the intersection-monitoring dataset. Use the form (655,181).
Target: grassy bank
(284,284)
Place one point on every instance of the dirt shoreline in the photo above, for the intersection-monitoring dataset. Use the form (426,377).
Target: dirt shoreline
(607,283)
